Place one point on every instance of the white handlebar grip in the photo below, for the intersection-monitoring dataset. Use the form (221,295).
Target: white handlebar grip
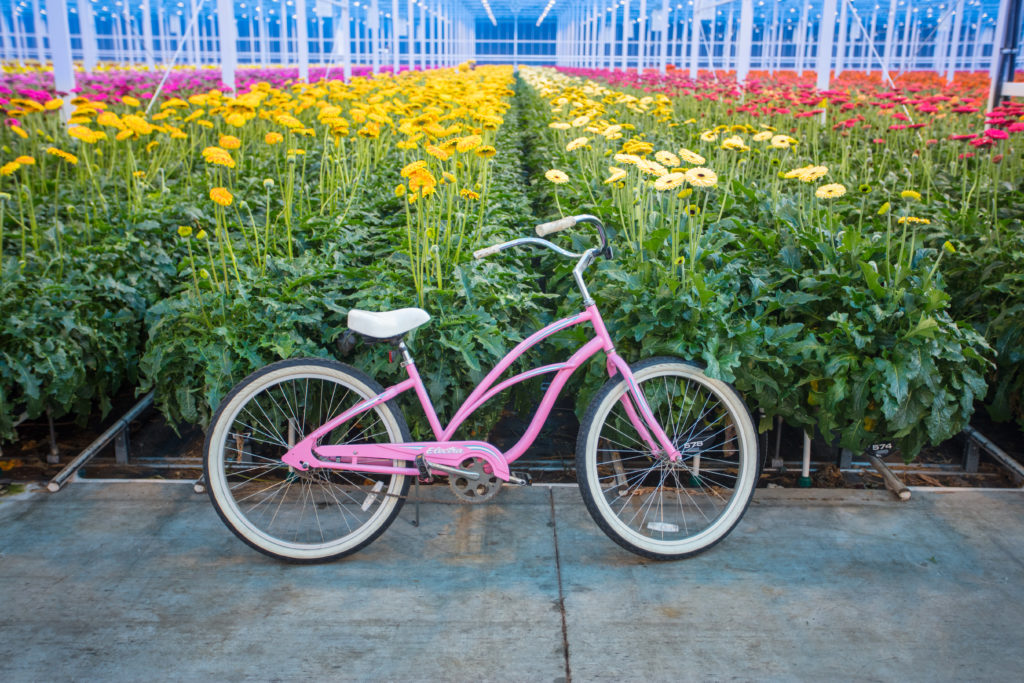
(487,251)
(554,226)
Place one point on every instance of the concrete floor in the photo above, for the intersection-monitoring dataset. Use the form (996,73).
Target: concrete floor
(141,581)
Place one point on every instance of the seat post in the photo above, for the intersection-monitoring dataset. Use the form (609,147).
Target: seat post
(406,356)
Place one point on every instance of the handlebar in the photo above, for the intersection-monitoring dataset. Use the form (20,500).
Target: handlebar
(585,259)
(545,229)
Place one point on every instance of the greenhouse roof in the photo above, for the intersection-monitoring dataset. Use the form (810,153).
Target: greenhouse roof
(789,11)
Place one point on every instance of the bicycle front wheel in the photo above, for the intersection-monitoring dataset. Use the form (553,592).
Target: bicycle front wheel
(644,501)
(316,515)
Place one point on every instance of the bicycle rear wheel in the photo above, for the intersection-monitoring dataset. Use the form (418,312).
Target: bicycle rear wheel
(316,515)
(645,502)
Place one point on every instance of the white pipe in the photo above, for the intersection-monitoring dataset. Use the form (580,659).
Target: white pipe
(302,38)
(60,47)
(826,36)
(805,469)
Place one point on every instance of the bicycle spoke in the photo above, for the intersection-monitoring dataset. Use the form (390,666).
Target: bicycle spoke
(319,511)
(655,505)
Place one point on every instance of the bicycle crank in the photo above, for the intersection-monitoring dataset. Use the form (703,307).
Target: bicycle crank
(474,482)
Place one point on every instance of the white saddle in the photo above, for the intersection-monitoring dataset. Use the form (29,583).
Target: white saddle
(386,324)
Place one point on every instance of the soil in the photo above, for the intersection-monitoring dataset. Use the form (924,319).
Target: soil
(156,451)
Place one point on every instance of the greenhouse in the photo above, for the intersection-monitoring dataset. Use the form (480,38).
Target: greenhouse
(318,258)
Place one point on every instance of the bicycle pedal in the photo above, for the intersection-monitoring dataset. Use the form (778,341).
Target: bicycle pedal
(520,478)
(424,476)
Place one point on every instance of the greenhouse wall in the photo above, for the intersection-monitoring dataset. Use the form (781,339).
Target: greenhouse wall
(743,35)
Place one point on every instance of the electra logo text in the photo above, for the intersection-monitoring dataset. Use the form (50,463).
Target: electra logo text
(443,451)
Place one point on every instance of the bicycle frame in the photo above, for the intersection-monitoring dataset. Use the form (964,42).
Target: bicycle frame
(378,458)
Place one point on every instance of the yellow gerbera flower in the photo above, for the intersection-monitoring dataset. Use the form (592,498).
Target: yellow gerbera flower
(9,168)
(807,174)
(221,196)
(666,158)
(137,124)
(911,194)
(437,152)
(735,143)
(218,156)
(913,219)
(557,177)
(468,143)
(651,168)
(701,177)
(230,142)
(408,169)
(86,134)
(466,193)
(422,178)
(66,156)
(782,141)
(669,181)
(576,144)
(812,173)
(691,157)
(617,174)
(830,191)
(26,160)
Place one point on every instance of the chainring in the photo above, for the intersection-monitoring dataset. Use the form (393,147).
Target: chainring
(469,491)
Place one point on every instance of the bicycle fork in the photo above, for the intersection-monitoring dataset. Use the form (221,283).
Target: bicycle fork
(639,411)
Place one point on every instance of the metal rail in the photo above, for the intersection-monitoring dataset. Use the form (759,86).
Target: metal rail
(996,452)
(92,449)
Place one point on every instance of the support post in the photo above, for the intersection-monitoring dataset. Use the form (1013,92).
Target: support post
(695,28)
(955,42)
(826,35)
(746,37)
(663,27)
(373,29)
(302,38)
(227,33)
(60,42)
(612,22)
(890,38)
(627,31)
(87,22)
(641,37)
(841,47)
(801,43)
(515,43)
(344,34)
(147,33)
(729,40)
(411,34)
(1007,24)
(37,24)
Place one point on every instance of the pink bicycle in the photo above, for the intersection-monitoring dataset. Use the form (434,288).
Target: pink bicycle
(309,460)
